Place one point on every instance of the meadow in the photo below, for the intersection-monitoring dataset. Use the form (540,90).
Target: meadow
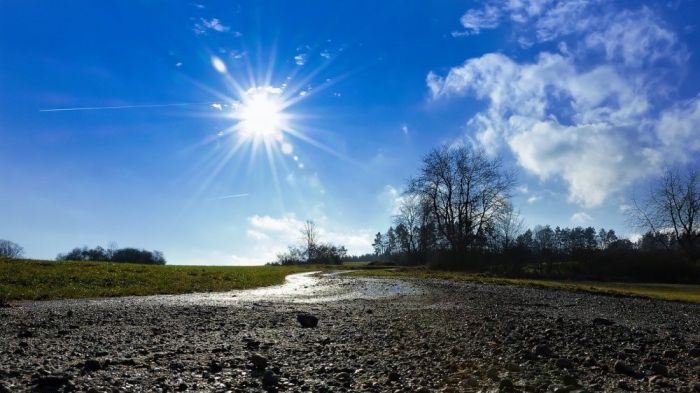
(43,280)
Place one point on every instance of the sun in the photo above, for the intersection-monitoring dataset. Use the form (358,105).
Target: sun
(260,114)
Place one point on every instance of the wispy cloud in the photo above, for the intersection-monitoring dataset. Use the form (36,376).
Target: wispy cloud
(204,25)
(581,218)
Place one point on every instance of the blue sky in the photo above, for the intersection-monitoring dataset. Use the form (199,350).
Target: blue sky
(587,100)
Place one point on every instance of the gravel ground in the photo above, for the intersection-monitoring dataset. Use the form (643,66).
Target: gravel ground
(372,335)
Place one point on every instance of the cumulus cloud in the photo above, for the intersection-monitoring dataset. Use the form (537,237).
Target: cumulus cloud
(270,235)
(598,125)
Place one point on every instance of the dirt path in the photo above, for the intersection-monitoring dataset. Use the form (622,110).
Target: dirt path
(372,335)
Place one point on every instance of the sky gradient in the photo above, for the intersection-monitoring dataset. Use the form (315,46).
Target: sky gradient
(588,100)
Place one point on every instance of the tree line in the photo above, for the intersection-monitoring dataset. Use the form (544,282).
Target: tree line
(311,250)
(114,254)
(456,213)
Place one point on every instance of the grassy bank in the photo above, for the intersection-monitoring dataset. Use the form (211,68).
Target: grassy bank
(677,292)
(41,280)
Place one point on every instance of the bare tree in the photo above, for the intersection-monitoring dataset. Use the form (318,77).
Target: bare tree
(465,190)
(508,225)
(673,206)
(408,218)
(10,249)
(309,236)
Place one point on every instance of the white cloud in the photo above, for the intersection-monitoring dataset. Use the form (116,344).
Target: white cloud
(392,197)
(581,218)
(477,19)
(300,59)
(598,125)
(269,236)
(215,24)
(533,199)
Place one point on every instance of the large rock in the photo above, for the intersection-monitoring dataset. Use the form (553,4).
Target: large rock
(259,362)
(624,368)
(307,320)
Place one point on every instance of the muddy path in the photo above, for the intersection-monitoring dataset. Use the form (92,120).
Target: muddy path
(372,335)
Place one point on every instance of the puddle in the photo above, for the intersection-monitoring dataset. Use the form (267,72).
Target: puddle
(312,287)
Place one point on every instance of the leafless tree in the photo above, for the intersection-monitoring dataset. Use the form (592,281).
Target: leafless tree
(309,236)
(10,249)
(508,225)
(672,206)
(465,191)
(409,218)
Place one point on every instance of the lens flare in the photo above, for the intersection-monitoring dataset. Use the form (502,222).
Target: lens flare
(260,115)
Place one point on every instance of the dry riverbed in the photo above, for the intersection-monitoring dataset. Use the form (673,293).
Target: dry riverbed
(372,335)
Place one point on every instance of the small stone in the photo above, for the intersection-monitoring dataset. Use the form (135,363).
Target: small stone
(542,350)
(565,363)
(307,320)
(215,366)
(270,378)
(623,368)
(48,383)
(569,380)
(695,387)
(92,365)
(344,377)
(659,369)
(670,353)
(694,353)
(492,373)
(394,376)
(624,385)
(603,322)
(259,361)
(182,387)
(506,386)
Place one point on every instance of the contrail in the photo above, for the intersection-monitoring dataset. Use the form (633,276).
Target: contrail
(229,197)
(95,108)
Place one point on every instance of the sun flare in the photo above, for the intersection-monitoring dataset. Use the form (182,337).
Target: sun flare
(260,114)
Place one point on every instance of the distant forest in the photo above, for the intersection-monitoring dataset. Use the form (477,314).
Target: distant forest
(114,254)
(456,213)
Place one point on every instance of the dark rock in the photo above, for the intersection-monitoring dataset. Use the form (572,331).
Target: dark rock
(695,387)
(344,377)
(624,385)
(3,388)
(659,369)
(670,353)
(542,350)
(92,365)
(270,378)
(626,369)
(694,353)
(25,333)
(259,361)
(50,383)
(182,387)
(394,376)
(565,363)
(603,322)
(307,320)
(215,366)
(506,386)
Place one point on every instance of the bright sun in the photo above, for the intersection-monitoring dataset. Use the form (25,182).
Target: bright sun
(260,114)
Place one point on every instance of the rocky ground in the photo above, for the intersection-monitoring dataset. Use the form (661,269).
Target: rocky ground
(370,336)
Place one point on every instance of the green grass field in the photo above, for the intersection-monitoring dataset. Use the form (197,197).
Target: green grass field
(676,292)
(41,280)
